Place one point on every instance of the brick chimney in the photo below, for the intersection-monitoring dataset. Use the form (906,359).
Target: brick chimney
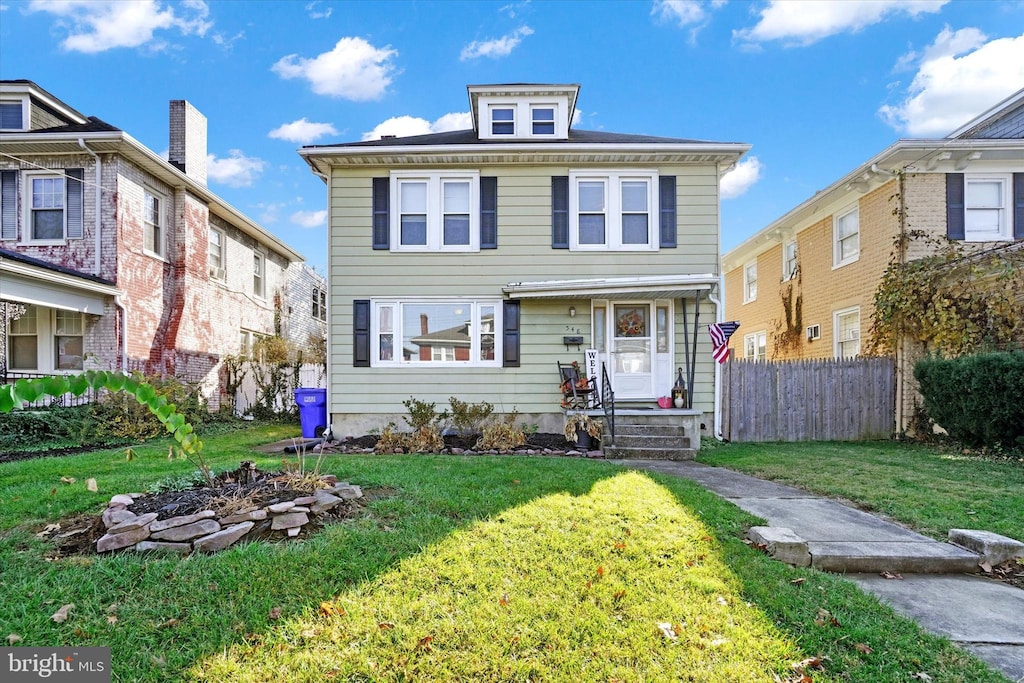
(187,148)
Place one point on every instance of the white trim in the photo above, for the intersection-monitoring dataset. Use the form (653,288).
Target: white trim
(837,260)
(747,281)
(262,260)
(46,340)
(434,181)
(1004,209)
(613,181)
(27,211)
(522,107)
(788,273)
(661,286)
(760,340)
(395,304)
(162,208)
(836,315)
(217,272)
(26,110)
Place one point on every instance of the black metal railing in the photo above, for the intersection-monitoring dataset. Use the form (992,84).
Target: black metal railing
(608,403)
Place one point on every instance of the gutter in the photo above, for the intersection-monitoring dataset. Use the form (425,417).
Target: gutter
(97,213)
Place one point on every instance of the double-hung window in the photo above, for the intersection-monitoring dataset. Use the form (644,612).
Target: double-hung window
(46,207)
(14,113)
(503,120)
(986,207)
(456,332)
(46,340)
(846,324)
(153,223)
(755,346)
(319,304)
(750,282)
(542,119)
(52,206)
(436,211)
(613,210)
(23,341)
(789,260)
(258,274)
(215,253)
(846,237)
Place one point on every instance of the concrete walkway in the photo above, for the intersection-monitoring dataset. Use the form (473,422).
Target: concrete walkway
(982,615)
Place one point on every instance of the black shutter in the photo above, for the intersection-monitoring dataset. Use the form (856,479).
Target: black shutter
(9,205)
(510,334)
(560,212)
(74,202)
(955,206)
(361,333)
(667,200)
(381,207)
(1018,206)
(489,213)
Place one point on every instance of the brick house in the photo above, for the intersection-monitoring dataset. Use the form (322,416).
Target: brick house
(112,257)
(803,286)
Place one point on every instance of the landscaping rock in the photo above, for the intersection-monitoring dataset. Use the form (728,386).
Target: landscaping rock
(121,540)
(187,531)
(279,508)
(162,524)
(289,520)
(160,547)
(115,515)
(293,531)
(249,516)
(133,524)
(305,500)
(347,491)
(121,499)
(323,501)
(223,538)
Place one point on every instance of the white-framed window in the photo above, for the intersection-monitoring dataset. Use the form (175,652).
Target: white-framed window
(454,332)
(435,211)
(755,346)
(154,234)
(987,214)
(259,266)
(215,243)
(846,237)
(542,119)
(846,326)
(613,211)
(750,282)
(15,113)
(46,340)
(789,261)
(44,210)
(503,120)
(249,345)
(319,304)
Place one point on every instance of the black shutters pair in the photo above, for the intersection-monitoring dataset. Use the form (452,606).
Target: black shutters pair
(361,333)
(74,204)
(560,211)
(488,213)
(955,211)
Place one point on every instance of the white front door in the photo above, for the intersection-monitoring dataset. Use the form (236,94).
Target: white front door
(630,348)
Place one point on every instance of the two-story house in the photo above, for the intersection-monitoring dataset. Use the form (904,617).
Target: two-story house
(469,263)
(115,258)
(804,285)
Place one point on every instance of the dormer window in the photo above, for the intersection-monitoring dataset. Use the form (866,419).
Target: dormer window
(503,121)
(543,119)
(13,114)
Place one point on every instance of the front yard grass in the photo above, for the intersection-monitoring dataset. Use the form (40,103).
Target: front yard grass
(468,568)
(930,489)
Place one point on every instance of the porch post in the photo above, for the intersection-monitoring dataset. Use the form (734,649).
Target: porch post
(686,348)
(693,356)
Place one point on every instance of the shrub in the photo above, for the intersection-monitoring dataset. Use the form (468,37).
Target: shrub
(502,434)
(423,414)
(976,399)
(118,415)
(469,418)
(55,424)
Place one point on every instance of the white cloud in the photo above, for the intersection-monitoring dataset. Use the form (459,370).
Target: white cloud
(309,219)
(682,12)
(318,14)
(807,21)
(959,76)
(100,25)
(497,47)
(302,131)
(403,126)
(740,179)
(237,170)
(353,70)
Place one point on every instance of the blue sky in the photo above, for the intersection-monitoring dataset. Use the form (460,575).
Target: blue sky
(816,87)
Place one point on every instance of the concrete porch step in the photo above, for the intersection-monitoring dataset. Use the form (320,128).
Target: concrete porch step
(650,441)
(649,430)
(617,452)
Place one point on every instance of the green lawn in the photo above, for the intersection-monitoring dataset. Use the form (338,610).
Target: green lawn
(929,489)
(470,568)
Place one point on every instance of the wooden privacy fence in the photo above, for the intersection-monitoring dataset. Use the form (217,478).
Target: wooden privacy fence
(809,400)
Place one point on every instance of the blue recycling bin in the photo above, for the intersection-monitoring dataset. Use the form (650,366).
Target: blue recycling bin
(312,411)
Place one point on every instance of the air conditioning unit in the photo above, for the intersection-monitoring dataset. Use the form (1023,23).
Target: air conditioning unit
(217,273)
(813,332)
(852,334)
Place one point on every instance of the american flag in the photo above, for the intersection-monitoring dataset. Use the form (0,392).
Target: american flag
(720,333)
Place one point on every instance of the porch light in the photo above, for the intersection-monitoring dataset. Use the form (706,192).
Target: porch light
(572,311)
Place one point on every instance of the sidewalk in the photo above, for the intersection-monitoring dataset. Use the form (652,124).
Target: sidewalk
(981,615)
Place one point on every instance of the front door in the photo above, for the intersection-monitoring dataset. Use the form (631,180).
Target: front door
(630,348)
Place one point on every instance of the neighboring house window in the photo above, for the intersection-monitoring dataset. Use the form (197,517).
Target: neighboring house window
(457,332)
(153,223)
(543,120)
(46,207)
(68,336)
(39,334)
(215,253)
(613,211)
(249,345)
(750,282)
(23,341)
(319,304)
(258,274)
(755,346)
(846,237)
(986,207)
(438,211)
(14,114)
(788,260)
(503,120)
(846,324)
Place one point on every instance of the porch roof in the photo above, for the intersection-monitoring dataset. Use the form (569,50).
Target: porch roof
(31,281)
(646,286)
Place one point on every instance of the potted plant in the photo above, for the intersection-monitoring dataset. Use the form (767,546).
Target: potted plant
(583,430)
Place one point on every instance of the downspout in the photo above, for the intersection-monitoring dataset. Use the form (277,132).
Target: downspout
(124,333)
(98,243)
(713,298)
(329,432)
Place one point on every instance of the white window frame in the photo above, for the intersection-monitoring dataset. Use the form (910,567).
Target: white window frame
(320,304)
(837,343)
(534,106)
(26,110)
(789,260)
(161,226)
(1003,209)
(491,109)
(750,282)
(755,346)
(394,314)
(46,333)
(522,107)
(259,275)
(217,270)
(837,241)
(435,181)
(613,182)
(28,231)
